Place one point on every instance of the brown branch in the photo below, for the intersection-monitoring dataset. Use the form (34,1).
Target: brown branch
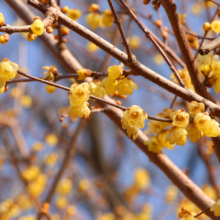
(125,42)
(210,46)
(148,34)
(69,154)
(91,96)
(171,10)
(199,37)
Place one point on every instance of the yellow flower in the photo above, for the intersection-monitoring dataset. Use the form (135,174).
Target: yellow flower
(171,193)
(156,126)
(134,42)
(158,59)
(79,111)
(154,145)
(216,208)
(38,146)
(114,72)
(37,27)
(131,193)
(201,121)
(92,48)
(51,71)
(130,131)
(31,37)
(110,86)
(74,14)
(177,135)
(206,26)
(83,73)
(51,159)
(134,117)
(180,118)
(24,202)
(31,173)
(215,26)
(107,18)
(193,133)
(203,60)
(182,18)
(93,20)
(2,20)
(196,8)
(4,38)
(185,215)
(61,202)
(26,101)
(51,139)
(193,41)
(212,130)
(94,7)
(79,94)
(64,187)
(8,70)
(195,108)
(50,89)
(97,89)
(162,138)
(141,178)
(126,86)
(210,191)
(83,185)
(71,210)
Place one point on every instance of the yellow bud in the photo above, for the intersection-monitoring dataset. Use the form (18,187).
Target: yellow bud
(51,139)
(83,185)
(2,20)
(206,26)
(215,26)
(61,202)
(141,178)
(180,118)
(49,30)
(31,37)
(64,187)
(94,8)
(145,2)
(107,18)
(51,159)
(45,2)
(74,14)
(4,38)
(64,31)
(125,86)
(134,42)
(65,9)
(83,73)
(182,18)
(37,27)
(92,48)
(114,72)
(205,69)
(50,89)
(26,101)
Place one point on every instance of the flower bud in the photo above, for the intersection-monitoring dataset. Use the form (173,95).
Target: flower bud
(37,27)
(206,26)
(65,9)
(2,20)
(31,37)
(50,89)
(4,38)
(64,31)
(83,73)
(114,72)
(49,30)
(126,86)
(94,8)
(93,20)
(74,14)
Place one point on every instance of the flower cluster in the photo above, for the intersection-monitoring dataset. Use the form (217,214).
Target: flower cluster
(78,96)
(8,70)
(209,67)
(133,118)
(115,81)
(185,215)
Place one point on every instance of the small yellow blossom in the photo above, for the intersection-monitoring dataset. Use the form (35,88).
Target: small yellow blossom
(83,185)
(38,146)
(51,139)
(171,193)
(71,210)
(193,41)
(195,108)
(31,173)
(212,130)
(37,27)
(196,8)
(24,202)
(210,191)
(114,72)
(92,48)
(216,208)
(93,20)
(155,127)
(185,215)
(180,118)
(64,187)
(2,20)
(61,202)
(215,26)
(83,73)
(177,135)
(51,71)
(134,42)
(51,159)
(8,70)
(193,133)
(182,18)
(110,86)
(79,94)
(74,14)
(97,89)
(107,18)
(202,121)
(158,59)
(4,38)
(134,117)
(162,138)
(131,131)
(206,26)
(26,101)
(141,178)
(154,145)
(125,86)
(79,111)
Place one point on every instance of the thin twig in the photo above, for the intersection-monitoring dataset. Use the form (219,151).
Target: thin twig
(125,42)
(173,102)
(148,34)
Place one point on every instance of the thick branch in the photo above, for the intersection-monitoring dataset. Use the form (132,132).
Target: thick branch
(210,46)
